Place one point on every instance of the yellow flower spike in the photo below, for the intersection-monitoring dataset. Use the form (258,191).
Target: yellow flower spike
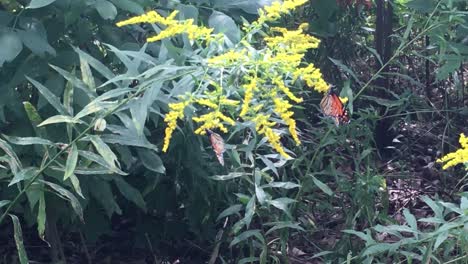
(249,94)
(292,41)
(228,102)
(279,82)
(458,157)
(282,108)
(207,102)
(229,58)
(176,112)
(150,17)
(344,100)
(264,127)
(313,78)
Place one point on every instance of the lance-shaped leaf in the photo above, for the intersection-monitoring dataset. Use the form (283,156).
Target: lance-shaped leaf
(71,162)
(104,150)
(60,119)
(49,96)
(25,141)
(18,234)
(67,195)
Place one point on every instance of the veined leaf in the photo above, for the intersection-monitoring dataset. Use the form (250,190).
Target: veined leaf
(67,195)
(60,119)
(28,140)
(104,150)
(49,96)
(18,234)
(39,3)
(23,174)
(230,176)
(130,193)
(41,216)
(233,209)
(151,160)
(71,162)
(245,235)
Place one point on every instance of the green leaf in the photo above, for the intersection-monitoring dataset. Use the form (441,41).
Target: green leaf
(261,195)
(24,141)
(11,46)
(60,119)
(4,202)
(76,185)
(249,211)
(221,23)
(282,225)
(23,174)
(410,219)
(283,185)
(245,235)
(230,176)
(100,160)
(151,160)
(18,234)
(106,9)
(282,204)
(440,239)
(423,6)
(49,96)
(233,209)
(130,193)
(9,151)
(322,186)
(36,43)
(35,119)
(41,216)
(96,64)
(102,192)
(86,74)
(130,6)
(39,3)
(67,195)
(72,160)
(104,150)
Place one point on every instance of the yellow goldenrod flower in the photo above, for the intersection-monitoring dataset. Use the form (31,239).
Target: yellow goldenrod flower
(344,100)
(249,94)
(264,127)
(313,78)
(279,82)
(282,108)
(228,59)
(228,102)
(173,27)
(213,120)
(457,157)
(207,102)
(276,9)
(292,41)
(150,17)
(176,112)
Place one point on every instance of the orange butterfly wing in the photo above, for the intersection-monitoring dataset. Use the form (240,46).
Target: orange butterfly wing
(332,106)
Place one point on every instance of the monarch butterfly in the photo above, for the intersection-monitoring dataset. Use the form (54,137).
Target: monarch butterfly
(217,143)
(332,106)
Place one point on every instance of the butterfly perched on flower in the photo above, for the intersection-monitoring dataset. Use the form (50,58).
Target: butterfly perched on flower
(217,143)
(332,106)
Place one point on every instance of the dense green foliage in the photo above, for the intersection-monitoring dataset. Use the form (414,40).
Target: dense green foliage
(82,127)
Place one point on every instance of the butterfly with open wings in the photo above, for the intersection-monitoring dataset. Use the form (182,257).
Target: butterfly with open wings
(332,107)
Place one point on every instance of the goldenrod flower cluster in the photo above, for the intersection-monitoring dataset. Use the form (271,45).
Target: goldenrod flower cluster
(313,78)
(176,112)
(457,157)
(292,41)
(276,9)
(282,108)
(173,27)
(262,81)
(263,126)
